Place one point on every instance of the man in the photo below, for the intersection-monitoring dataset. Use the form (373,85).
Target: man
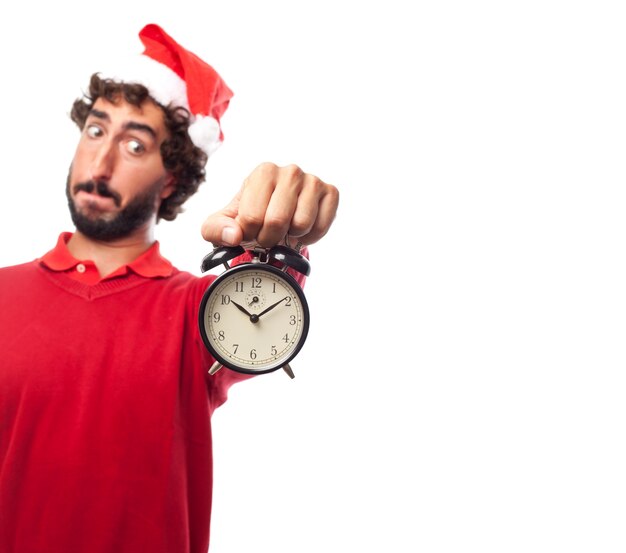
(105,396)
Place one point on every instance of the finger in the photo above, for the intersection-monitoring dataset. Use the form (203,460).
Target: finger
(306,211)
(255,199)
(222,228)
(282,207)
(324,215)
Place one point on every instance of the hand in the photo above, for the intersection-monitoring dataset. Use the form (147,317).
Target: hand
(241,308)
(272,204)
(272,306)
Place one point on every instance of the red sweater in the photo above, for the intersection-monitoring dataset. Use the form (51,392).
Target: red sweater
(105,413)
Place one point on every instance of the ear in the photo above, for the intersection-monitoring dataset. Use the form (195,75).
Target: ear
(170,186)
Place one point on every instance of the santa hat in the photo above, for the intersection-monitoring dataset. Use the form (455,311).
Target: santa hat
(176,77)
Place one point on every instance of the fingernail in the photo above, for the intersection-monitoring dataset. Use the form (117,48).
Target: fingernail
(228,236)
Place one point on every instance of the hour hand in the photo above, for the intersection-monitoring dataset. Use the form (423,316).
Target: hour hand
(241,308)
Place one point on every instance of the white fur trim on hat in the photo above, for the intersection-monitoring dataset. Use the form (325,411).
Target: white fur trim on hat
(204,132)
(165,86)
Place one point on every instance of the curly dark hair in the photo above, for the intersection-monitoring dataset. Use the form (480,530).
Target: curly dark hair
(184,160)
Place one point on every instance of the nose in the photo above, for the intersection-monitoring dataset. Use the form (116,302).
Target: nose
(101,166)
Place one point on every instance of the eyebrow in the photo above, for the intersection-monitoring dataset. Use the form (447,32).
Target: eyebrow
(130,125)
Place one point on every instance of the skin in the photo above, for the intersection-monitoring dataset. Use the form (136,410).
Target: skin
(274,202)
(120,144)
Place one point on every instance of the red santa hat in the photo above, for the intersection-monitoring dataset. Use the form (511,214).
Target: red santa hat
(176,77)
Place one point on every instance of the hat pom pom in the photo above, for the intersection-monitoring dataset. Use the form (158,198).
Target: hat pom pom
(205,134)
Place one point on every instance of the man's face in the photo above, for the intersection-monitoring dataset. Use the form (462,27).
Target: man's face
(117,179)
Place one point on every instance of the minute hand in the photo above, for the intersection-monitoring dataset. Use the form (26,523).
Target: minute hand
(272,306)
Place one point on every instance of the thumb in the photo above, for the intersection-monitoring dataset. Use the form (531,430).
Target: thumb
(222,230)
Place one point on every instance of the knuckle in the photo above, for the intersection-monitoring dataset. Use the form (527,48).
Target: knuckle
(293,176)
(266,169)
(333,194)
(248,220)
(318,185)
(299,225)
(293,170)
(274,224)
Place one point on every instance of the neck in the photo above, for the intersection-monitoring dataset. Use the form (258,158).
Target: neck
(111,255)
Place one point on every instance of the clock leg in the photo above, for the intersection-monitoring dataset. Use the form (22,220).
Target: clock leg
(288,370)
(216,367)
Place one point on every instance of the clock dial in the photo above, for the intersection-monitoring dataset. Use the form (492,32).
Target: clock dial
(254,319)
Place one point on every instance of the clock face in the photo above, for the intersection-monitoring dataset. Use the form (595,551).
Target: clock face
(254,319)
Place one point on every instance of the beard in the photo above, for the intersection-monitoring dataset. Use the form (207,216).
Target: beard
(138,211)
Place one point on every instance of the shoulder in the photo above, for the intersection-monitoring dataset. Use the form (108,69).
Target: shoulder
(186,280)
(18,281)
(14,272)
(182,286)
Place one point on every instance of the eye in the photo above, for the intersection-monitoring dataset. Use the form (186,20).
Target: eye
(93,131)
(135,147)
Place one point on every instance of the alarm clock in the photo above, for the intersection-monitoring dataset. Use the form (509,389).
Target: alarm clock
(254,317)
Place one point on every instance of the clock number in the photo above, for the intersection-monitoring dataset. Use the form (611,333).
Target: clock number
(273,287)
(274,351)
(288,302)
(220,336)
(256,282)
(252,354)
(216,317)
(238,286)
(235,348)
(225,299)
(292,320)
(286,338)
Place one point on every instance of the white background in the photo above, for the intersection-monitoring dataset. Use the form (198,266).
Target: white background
(462,388)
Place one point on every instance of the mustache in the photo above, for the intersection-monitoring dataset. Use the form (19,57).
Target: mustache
(99,187)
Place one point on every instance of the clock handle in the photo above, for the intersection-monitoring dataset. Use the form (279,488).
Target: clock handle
(291,258)
(220,256)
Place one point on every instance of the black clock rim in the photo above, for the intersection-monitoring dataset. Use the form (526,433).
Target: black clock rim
(254,267)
